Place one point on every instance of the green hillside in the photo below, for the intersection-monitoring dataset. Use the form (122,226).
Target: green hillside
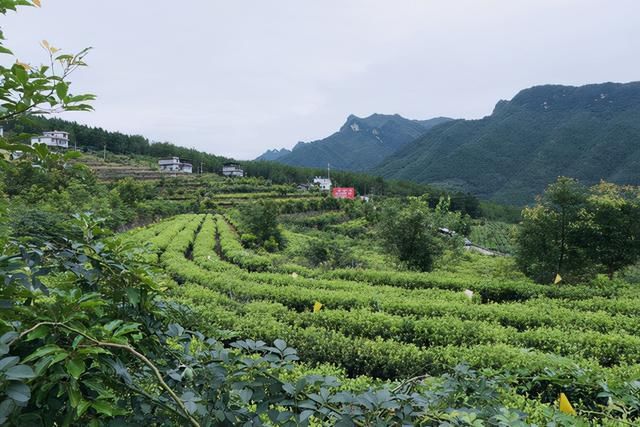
(87,138)
(360,144)
(590,132)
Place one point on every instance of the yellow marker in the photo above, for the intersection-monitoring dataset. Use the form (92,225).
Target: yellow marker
(558,279)
(565,405)
(317,306)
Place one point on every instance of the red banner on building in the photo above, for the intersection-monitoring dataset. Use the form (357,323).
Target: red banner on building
(343,193)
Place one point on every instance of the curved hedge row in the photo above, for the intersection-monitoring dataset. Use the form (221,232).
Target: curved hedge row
(401,324)
(171,230)
(300,294)
(379,357)
(535,312)
(175,250)
(204,253)
(608,349)
(489,290)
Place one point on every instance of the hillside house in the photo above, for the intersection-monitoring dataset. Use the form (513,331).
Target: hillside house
(232,170)
(56,138)
(174,165)
(323,183)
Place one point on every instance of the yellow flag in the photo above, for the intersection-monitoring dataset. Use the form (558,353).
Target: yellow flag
(565,405)
(558,279)
(317,306)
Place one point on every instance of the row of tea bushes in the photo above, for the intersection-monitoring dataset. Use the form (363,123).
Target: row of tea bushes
(233,251)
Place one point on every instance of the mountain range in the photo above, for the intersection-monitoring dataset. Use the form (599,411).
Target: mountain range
(360,144)
(588,132)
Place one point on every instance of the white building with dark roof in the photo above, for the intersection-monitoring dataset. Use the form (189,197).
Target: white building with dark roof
(232,170)
(56,138)
(323,183)
(174,165)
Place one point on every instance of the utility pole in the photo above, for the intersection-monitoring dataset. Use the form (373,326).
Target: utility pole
(328,170)
(200,168)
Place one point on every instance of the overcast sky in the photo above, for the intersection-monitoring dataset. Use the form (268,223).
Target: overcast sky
(236,77)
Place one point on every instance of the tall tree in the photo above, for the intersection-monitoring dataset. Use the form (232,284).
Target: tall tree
(577,232)
(551,238)
(411,230)
(613,233)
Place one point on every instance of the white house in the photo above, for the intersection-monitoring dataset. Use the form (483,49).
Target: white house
(174,165)
(232,169)
(323,183)
(54,138)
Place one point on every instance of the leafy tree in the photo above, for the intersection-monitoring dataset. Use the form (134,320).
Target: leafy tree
(411,232)
(329,253)
(132,191)
(550,238)
(260,220)
(577,232)
(613,226)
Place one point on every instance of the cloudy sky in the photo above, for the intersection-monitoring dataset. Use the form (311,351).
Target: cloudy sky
(236,77)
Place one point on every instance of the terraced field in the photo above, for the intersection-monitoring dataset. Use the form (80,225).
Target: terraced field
(391,325)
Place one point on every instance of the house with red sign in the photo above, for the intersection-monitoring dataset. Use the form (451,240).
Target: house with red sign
(343,193)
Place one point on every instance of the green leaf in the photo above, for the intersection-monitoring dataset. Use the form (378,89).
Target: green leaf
(126,329)
(58,357)
(134,296)
(39,332)
(245,394)
(20,74)
(19,372)
(8,362)
(75,396)
(111,326)
(77,340)
(43,351)
(62,89)
(5,50)
(65,57)
(82,407)
(280,344)
(75,367)
(103,407)
(19,392)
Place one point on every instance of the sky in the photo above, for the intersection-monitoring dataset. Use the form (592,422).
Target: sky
(238,77)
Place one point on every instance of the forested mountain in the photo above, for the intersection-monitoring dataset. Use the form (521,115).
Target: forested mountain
(590,133)
(360,144)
